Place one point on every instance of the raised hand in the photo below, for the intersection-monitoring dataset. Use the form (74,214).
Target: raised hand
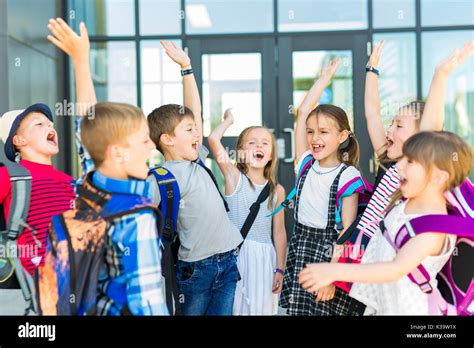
(75,46)
(228,116)
(376,53)
(455,59)
(328,70)
(176,53)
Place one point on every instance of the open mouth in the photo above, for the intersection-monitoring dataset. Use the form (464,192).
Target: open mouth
(195,146)
(318,148)
(403,181)
(389,142)
(51,138)
(258,155)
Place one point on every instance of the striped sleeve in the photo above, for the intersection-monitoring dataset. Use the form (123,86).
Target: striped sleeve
(374,213)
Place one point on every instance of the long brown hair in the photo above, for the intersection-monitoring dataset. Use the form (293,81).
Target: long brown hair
(443,150)
(348,153)
(269,172)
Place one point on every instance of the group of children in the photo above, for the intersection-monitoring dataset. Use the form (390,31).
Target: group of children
(127,239)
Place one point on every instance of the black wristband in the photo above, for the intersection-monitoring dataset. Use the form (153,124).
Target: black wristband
(187,72)
(372,69)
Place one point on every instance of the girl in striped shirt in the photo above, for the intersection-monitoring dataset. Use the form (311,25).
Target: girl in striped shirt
(410,119)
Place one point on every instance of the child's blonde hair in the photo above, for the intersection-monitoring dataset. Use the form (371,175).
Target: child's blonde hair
(270,169)
(443,150)
(111,124)
(415,109)
(349,152)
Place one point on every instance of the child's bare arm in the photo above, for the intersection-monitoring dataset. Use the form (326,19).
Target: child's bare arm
(373,114)
(192,99)
(412,254)
(433,115)
(348,215)
(309,102)
(279,240)
(77,48)
(230,172)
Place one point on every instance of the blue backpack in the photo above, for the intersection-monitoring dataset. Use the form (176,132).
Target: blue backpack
(75,256)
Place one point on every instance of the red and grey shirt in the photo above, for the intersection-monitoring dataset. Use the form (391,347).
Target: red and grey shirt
(52,193)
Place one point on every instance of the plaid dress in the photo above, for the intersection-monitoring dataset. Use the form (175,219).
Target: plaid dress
(313,245)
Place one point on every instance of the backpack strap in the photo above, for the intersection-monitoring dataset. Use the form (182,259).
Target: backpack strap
(169,206)
(454,225)
(213,178)
(307,162)
(254,209)
(20,179)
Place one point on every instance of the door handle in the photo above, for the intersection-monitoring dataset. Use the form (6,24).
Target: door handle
(292,145)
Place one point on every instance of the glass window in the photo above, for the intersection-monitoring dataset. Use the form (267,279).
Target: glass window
(110,17)
(447,12)
(397,82)
(459,111)
(315,15)
(113,67)
(161,77)
(306,68)
(229,16)
(232,81)
(160,17)
(393,13)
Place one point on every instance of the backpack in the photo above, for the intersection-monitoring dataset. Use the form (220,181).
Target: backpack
(356,185)
(169,241)
(455,292)
(12,273)
(75,257)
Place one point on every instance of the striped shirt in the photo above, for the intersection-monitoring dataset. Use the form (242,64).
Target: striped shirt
(52,193)
(133,257)
(375,211)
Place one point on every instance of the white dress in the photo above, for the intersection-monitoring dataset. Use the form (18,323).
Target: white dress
(402,297)
(257,257)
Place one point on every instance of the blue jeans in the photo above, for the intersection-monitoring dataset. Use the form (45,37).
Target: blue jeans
(207,287)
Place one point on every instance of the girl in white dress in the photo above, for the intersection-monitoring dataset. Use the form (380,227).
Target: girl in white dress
(433,163)
(261,261)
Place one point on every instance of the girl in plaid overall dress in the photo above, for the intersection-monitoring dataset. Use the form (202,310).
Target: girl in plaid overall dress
(326,198)
(311,245)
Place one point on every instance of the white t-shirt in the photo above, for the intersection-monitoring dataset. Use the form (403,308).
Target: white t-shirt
(401,297)
(314,200)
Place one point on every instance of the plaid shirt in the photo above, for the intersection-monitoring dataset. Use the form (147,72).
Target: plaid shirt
(133,257)
(87,165)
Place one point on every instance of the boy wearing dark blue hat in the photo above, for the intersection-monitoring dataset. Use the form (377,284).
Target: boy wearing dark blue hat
(31,140)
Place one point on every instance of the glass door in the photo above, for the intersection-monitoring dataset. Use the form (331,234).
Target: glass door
(238,74)
(300,59)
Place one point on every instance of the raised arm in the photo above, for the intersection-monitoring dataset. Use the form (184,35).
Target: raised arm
(77,47)
(309,102)
(372,103)
(279,240)
(230,172)
(192,99)
(412,254)
(433,115)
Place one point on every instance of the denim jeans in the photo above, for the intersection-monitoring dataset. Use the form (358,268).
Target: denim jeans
(207,287)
